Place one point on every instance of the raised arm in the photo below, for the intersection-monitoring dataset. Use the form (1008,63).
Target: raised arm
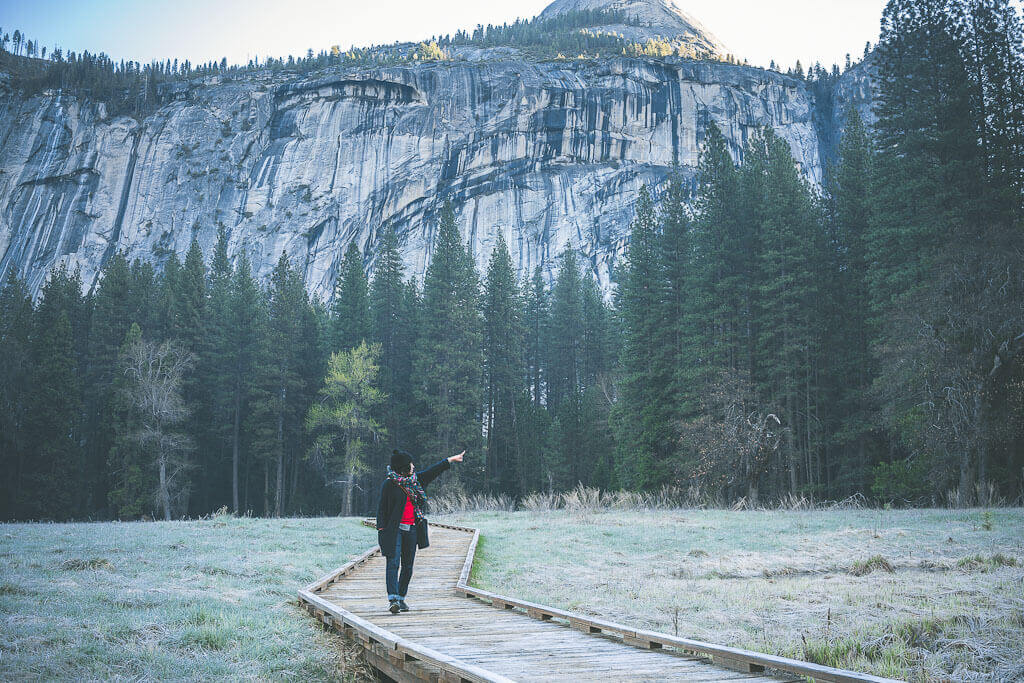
(431,473)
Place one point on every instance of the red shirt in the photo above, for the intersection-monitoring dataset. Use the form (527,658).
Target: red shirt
(408,516)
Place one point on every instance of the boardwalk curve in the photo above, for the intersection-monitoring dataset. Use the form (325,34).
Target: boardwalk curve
(460,633)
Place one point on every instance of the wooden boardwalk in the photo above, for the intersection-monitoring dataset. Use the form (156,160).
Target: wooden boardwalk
(454,632)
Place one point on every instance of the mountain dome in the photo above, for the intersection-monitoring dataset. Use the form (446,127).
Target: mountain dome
(648,19)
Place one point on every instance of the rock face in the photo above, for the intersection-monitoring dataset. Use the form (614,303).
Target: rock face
(549,154)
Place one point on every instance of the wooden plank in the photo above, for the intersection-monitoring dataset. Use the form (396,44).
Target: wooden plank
(327,578)
(389,641)
(815,671)
(469,631)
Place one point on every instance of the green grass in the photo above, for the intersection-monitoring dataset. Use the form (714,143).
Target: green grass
(171,600)
(913,594)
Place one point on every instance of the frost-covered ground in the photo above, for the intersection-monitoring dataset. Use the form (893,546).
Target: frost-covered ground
(813,585)
(209,599)
(216,598)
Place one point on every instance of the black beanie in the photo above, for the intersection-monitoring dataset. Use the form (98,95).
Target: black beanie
(400,461)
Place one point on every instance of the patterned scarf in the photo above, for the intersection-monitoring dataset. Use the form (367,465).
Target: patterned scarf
(412,488)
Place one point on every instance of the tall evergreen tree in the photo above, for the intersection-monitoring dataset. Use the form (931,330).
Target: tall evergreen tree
(847,332)
(393,328)
(993,48)
(929,176)
(645,442)
(680,351)
(16,355)
(51,485)
(115,308)
(448,354)
(503,368)
(350,309)
(535,320)
(248,319)
(788,304)
(564,380)
(723,259)
(278,411)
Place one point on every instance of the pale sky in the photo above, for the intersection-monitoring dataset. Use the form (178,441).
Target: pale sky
(203,30)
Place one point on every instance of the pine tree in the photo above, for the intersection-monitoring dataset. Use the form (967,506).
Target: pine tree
(787,309)
(644,439)
(993,48)
(535,322)
(928,168)
(723,247)
(564,380)
(16,312)
(350,309)
(248,319)
(448,353)
(212,369)
(278,410)
(115,308)
(50,486)
(848,335)
(189,299)
(503,369)
(166,294)
(187,329)
(680,350)
(600,351)
(392,323)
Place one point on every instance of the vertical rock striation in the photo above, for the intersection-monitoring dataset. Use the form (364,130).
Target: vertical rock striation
(548,153)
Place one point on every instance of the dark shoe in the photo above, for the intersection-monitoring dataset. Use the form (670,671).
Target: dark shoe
(402,606)
(394,607)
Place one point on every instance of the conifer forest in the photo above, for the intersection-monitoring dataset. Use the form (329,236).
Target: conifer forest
(767,338)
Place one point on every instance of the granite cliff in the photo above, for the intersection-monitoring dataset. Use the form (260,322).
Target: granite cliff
(549,153)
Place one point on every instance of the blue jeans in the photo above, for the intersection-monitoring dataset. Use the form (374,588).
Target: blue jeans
(405,554)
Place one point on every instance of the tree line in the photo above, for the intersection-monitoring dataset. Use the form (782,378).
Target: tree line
(175,393)
(131,88)
(867,338)
(767,338)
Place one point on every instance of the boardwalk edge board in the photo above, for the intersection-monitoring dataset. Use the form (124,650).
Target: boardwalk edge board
(403,659)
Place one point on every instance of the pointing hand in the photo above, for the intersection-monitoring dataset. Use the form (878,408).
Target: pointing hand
(457,458)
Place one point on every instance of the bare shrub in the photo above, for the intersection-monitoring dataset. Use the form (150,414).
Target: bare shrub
(583,499)
(795,503)
(541,501)
(455,502)
(855,502)
(736,438)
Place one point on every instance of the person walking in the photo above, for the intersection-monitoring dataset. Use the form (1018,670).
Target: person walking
(401,525)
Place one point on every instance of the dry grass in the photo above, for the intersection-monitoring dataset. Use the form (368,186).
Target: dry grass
(583,499)
(913,594)
(873,563)
(200,600)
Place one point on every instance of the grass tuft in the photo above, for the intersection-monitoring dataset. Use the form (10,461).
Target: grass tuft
(8,588)
(81,565)
(873,563)
(981,563)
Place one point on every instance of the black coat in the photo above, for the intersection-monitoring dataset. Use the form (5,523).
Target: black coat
(392,505)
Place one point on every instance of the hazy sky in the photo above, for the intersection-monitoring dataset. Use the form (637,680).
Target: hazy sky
(203,30)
